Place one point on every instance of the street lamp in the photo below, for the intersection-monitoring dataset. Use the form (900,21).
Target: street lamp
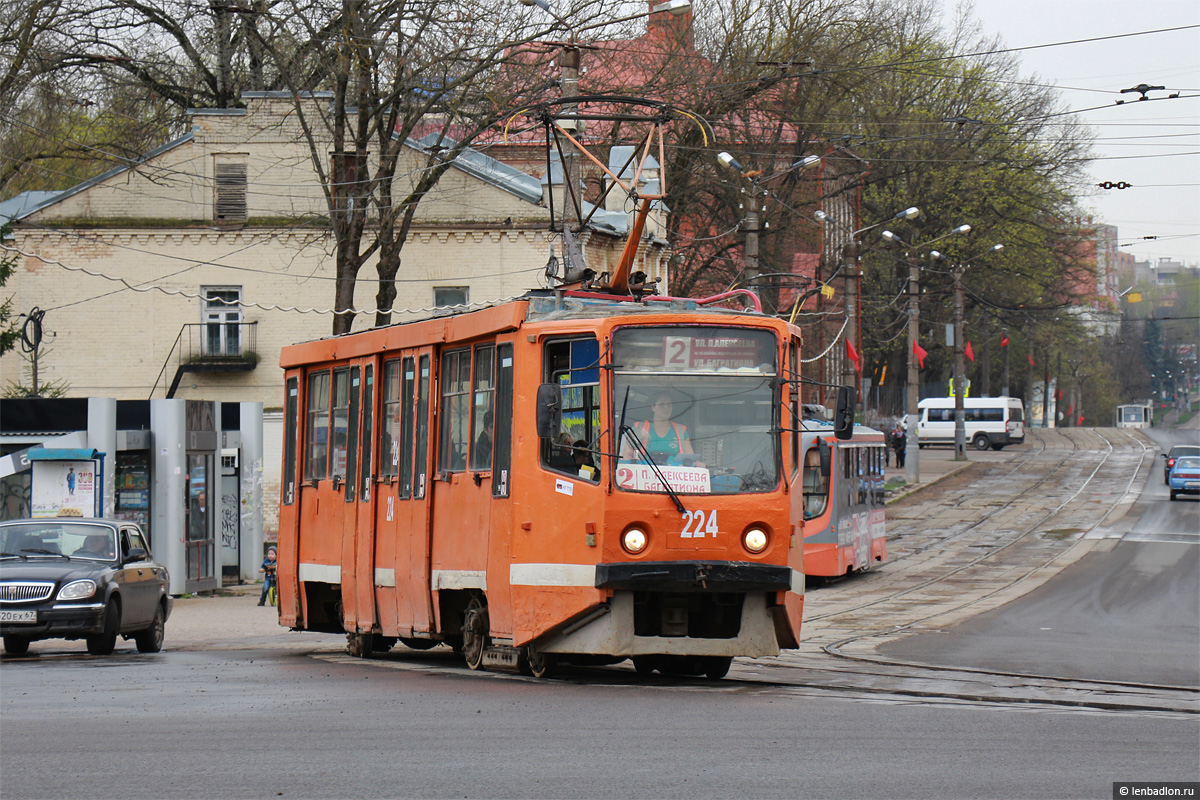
(912,461)
(850,374)
(751,221)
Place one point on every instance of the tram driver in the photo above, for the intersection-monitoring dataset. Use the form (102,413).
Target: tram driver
(667,441)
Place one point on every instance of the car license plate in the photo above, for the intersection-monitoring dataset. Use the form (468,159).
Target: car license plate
(1191,484)
(28,615)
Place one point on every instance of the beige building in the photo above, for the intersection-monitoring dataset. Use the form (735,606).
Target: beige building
(183,274)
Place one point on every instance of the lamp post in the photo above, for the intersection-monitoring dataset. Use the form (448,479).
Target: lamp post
(569,62)
(960,363)
(912,462)
(751,221)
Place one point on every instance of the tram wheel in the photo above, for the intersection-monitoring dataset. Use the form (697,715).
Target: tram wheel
(475,633)
(539,664)
(716,667)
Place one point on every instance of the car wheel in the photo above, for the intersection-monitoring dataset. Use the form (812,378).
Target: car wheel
(151,639)
(1172,494)
(716,667)
(16,645)
(981,441)
(102,644)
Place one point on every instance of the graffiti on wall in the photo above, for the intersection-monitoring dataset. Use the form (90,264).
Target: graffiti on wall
(229,521)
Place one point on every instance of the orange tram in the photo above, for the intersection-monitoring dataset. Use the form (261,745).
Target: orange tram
(568,477)
(844,527)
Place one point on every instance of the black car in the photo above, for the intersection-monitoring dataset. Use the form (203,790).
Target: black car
(72,578)
(1174,453)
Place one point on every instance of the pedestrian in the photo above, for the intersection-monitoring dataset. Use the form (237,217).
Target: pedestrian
(268,571)
(900,445)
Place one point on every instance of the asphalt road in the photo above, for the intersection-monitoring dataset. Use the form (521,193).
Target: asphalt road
(269,724)
(1128,611)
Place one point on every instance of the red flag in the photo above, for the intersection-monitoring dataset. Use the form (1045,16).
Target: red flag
(1004,341)
(920,353)
(1080,423)
(1057,395)
(1071,410)
(1030,357)
(970,354)
(852,354)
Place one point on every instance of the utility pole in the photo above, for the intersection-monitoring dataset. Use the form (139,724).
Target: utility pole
(752,223)
(960,368)
(912,462)
(850,376)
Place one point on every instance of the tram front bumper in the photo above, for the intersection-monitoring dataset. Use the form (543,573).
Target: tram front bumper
(696,576)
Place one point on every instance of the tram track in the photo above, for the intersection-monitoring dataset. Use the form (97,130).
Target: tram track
(941,579)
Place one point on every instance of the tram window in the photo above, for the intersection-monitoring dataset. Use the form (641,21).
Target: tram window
(341,422)
(502,445)
(368,428)
(389,427)
(350,445)
(291,427)
(317,439)
(816,485)
(422,426)
(482,400)
(575,366)
(456,396)
(407,388)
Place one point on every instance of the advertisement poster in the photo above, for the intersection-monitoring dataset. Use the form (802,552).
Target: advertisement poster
(64,488)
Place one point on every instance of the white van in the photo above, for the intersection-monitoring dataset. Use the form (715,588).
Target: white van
(990,421)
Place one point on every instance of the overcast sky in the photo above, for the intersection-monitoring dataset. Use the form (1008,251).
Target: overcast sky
(1155,146)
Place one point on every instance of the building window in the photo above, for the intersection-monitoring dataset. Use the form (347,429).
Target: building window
(449,296)
(229,192)
(222,318)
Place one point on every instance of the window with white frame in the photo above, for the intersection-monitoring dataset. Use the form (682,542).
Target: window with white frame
(222,319)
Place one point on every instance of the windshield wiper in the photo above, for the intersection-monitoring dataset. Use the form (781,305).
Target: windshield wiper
(637,443)
(43,552)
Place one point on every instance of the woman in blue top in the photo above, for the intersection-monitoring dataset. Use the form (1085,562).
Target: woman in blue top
(660,434)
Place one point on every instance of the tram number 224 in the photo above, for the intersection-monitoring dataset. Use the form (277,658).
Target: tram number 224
(698,524)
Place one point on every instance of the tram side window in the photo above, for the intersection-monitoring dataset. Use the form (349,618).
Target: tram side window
(317,434)
(502,445)
(407,384)
(422,427)
(389,426)
(816,485)
(483,398)
(368,428)
(291,428)
(575,366)
(341,423)
(456,396)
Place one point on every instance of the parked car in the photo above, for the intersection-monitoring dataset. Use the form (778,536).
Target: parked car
(1174,453)
(73,578)
(1185,476)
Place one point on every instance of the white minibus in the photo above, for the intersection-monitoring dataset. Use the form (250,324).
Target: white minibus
(990,421)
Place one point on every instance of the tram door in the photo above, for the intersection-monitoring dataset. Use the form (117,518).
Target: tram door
(358,533)
(462,492)
(401,509)
(322,492)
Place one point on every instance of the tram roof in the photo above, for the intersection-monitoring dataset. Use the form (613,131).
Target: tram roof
(539,305)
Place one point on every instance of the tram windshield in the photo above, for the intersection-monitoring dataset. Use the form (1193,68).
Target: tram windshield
(699,409)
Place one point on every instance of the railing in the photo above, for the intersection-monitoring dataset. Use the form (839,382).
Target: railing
(210,347)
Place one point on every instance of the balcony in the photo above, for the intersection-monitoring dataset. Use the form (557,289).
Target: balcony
(210,347)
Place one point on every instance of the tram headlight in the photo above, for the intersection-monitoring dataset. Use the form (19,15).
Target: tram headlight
(634,540)
(755,540)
